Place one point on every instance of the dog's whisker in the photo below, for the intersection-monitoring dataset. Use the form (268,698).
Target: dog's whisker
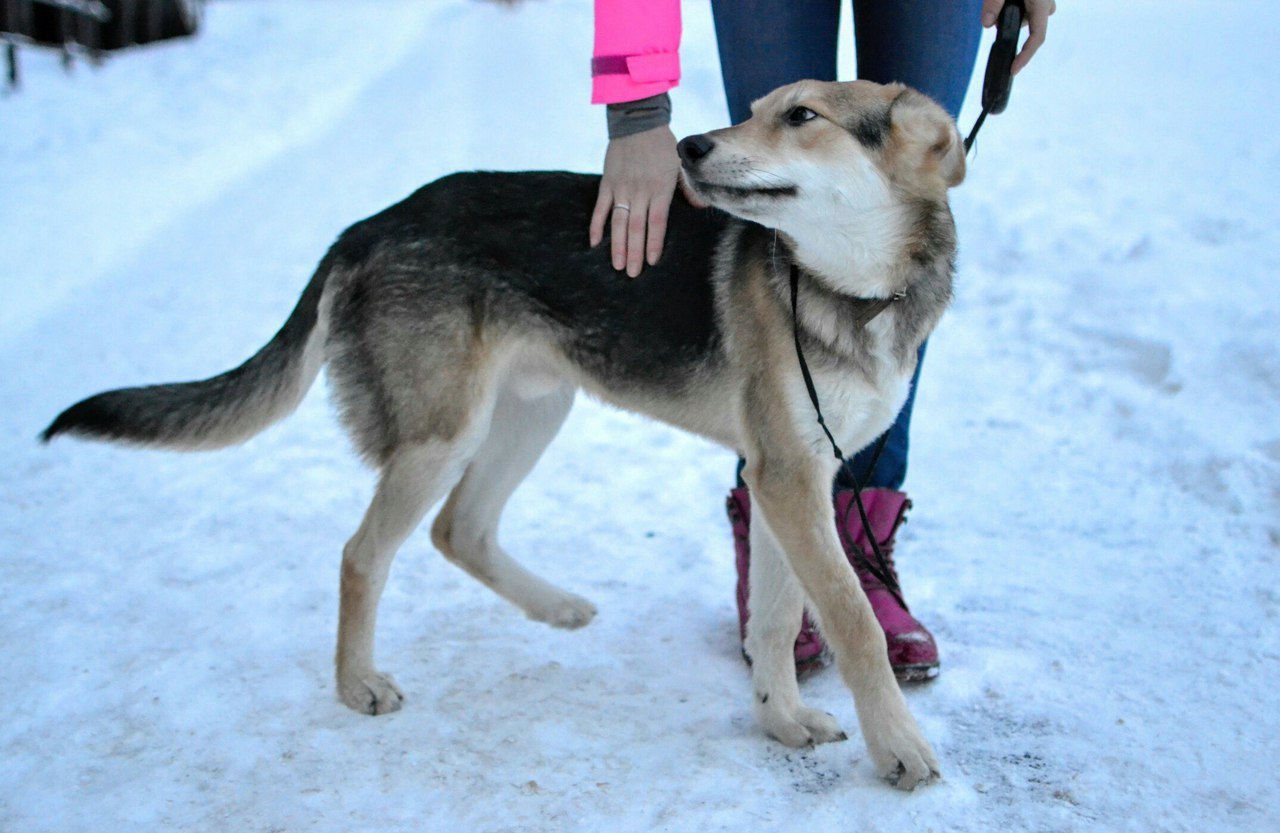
(763,174)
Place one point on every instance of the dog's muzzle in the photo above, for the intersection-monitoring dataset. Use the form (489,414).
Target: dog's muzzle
(694,149)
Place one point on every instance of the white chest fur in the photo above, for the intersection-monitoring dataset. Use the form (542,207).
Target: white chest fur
(859,400)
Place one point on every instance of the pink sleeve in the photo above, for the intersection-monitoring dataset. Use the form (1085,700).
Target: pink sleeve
(637,49)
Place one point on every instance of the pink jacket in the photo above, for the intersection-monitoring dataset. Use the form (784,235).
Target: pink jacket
(636,51)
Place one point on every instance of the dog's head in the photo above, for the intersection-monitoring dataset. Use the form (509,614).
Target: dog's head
(812,150)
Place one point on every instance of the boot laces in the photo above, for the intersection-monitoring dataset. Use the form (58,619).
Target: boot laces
(860,560)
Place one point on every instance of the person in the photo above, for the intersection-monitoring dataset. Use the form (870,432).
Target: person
(930,45)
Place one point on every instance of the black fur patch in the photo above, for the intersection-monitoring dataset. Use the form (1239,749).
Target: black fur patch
(93,417)
(872,130)
(509,248)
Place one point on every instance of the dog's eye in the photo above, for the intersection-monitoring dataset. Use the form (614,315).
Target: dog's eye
(800,115)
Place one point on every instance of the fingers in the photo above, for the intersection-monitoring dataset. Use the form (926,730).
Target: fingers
(1038,12)
(619,235)
(637,221)
(626,237)
(1037,24)
(635,198)
(990,11)
(659,210)
(604,202)
(637,233)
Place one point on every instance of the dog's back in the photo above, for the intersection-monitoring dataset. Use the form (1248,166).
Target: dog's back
(512,245)
(477,263)
(480,255)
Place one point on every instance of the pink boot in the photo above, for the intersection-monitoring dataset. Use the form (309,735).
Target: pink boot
(809,645)
(912,651)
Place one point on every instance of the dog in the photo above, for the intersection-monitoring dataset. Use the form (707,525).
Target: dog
(458,324)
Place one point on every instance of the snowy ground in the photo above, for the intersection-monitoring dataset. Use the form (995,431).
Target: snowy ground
(1096,471)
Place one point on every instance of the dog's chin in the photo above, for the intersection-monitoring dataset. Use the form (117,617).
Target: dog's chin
(734,198)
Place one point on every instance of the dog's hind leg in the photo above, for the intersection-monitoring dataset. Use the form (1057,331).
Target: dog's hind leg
(466,530)
(777,605)
(412,479)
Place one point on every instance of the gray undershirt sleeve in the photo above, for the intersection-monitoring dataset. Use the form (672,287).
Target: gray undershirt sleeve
(630,117)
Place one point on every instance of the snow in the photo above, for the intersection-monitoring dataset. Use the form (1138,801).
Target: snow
(1096,469)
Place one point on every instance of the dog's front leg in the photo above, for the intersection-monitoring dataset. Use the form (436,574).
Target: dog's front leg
(791,489)
(777,607)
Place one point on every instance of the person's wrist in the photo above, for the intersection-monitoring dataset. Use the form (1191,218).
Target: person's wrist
(628,118)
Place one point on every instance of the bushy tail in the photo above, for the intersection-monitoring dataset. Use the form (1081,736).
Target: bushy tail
(216,412)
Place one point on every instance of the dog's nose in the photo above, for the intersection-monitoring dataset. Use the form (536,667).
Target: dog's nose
(693,148)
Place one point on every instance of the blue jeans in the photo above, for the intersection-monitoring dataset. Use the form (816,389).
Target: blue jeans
(927,44)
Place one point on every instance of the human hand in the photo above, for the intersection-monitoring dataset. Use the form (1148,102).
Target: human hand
(1037,23)
(640,174)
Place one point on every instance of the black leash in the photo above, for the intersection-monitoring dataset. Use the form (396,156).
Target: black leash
(880,569)
(997,85)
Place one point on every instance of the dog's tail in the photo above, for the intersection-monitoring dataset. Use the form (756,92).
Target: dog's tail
(220,411)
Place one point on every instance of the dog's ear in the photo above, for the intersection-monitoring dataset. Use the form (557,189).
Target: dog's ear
(926,137)
(949,149)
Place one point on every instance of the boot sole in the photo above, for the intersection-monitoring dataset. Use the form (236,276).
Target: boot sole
(916,673)
(904,673)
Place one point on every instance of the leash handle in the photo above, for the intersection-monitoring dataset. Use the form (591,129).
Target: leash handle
(997,84)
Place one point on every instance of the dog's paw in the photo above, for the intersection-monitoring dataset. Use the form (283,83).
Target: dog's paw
(372,693)
(800,727)
(902,756)
(566,611)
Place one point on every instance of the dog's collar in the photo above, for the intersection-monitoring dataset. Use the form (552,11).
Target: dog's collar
(868,308)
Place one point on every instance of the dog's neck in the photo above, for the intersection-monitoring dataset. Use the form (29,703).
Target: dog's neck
(857,256)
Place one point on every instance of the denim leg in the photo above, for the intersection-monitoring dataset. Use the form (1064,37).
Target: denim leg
(927,44)
(767,43)
(930,45)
